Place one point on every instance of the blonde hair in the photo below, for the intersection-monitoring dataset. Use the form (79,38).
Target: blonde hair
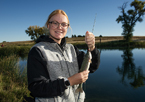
(54,13)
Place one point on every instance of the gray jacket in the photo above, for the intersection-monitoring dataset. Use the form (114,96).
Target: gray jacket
(60,64)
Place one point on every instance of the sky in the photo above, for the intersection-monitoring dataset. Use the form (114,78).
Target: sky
(17,15)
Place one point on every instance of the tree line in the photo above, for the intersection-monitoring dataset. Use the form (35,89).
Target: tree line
(128,19)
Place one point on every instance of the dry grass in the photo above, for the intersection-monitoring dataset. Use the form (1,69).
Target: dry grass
(78,40)
(18,43)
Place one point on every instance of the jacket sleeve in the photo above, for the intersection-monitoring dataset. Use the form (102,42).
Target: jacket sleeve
(39,82)
(95,59)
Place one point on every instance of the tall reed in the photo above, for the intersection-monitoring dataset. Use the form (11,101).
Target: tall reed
(13,83)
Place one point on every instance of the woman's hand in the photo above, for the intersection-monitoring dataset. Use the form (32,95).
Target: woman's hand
(79,78)
(90,40)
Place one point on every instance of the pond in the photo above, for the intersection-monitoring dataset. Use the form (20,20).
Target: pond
(120,77)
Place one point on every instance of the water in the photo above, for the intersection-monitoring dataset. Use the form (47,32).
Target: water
(120,77)
(22,63)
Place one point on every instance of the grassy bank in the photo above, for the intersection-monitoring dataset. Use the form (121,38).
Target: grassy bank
(114,44)
(110,42)
(121,44)
(20,49)
(17,50)
(13,83)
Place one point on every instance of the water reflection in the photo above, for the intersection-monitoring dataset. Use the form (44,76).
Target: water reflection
(130,71)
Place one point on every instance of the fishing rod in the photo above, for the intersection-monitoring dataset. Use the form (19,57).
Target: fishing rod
(93,27)
(94,23)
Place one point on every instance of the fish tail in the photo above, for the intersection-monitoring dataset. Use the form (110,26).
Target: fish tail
(79,89)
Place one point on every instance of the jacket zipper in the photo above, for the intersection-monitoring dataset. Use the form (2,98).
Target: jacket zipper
(59,61)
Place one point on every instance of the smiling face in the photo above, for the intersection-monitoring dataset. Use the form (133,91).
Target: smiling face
(59,32)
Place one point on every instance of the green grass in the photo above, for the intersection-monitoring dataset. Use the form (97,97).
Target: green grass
(18,50)
(121,44)
(13,83)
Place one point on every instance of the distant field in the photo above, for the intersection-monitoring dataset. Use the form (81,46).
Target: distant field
(105,39)
(18,43)
(79,40)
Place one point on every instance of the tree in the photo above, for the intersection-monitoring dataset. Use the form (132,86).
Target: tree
(36,31)
(79,35)
(73,36)
(4,41)
(100,38)
(129,18)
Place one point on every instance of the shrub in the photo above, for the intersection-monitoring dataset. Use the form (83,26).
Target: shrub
(18,50)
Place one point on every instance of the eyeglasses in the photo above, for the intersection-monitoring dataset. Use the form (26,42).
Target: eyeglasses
(56,24)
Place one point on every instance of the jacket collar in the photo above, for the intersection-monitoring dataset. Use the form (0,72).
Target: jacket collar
(46,38)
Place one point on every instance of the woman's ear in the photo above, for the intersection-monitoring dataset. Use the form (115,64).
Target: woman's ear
(48,26)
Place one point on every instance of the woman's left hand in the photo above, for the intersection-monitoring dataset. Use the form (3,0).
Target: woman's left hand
(90,40)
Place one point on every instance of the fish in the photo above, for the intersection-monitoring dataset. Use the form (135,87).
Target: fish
(85,66)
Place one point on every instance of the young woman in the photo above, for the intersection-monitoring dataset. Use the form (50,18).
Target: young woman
(53,66)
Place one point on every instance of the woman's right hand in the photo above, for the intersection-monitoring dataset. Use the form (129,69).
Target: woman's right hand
(79,78)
